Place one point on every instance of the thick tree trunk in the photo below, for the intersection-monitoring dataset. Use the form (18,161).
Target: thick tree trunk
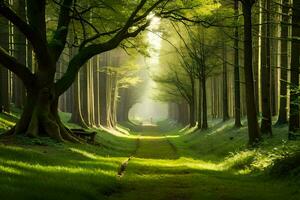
(237,93)
(294,102)
(266,122)
(40,117)
(253,128)
(282,118)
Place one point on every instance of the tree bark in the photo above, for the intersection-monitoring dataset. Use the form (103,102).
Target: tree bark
(266,71)
(20,55)
(225,86)
(237,93)
(4,73)
(294,103)
(192,104)
(253,128)
(204,98)
(76,114)
(103,93)
(282,118)
(200,106)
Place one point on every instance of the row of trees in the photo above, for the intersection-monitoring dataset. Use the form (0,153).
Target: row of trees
(267,36)
(60,37)
(97,86)
(49,27)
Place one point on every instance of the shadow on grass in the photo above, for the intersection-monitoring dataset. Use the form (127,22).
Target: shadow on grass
(53,174)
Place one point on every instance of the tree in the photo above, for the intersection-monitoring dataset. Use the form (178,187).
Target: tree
(282,118)
(237,95)
(253,128)
(40,110)
(225,86)
(20,54)
(177,84)
(266,71)
(294,106)
(4,73)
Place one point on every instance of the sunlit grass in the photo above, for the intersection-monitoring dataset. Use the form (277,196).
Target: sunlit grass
(212,164)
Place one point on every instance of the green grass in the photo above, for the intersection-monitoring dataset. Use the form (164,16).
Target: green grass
(166,165)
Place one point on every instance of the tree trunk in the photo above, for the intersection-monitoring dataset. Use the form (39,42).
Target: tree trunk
(20,55)
(103,92)
(192,104)
(237,93)
(225,86)
(282,118)
(183,113)
(40,116)
(85,94)
(253,128)
(294,102)
(4,73)
(76,114)
(200,106)
(96,91)
(204,103)
(266,122)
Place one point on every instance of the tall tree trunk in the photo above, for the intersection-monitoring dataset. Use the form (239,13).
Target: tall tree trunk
(76,114)
(4,73)
(225,86)
(204,98)
(90,94)
(20,54)
(183,113)
(103,92)
(294,103)
(253,128)
(237,93)
(199,105)
(96,90)
(266,122)
(282,118)
(84,94)
(192,104)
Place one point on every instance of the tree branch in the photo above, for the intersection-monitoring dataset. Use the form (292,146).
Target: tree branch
(57,44)
(30,33)
(17,68)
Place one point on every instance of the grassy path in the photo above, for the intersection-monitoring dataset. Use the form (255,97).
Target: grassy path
(153,149)
(161,167)
(158,172)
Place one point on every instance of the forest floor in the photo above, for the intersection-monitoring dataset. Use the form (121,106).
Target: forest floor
(151,163)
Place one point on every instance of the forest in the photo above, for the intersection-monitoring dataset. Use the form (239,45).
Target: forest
(150,99)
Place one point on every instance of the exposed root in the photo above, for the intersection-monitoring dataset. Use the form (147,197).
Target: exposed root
(69,136)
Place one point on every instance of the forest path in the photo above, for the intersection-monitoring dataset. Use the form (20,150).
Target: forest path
(159,171)
(151,161)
